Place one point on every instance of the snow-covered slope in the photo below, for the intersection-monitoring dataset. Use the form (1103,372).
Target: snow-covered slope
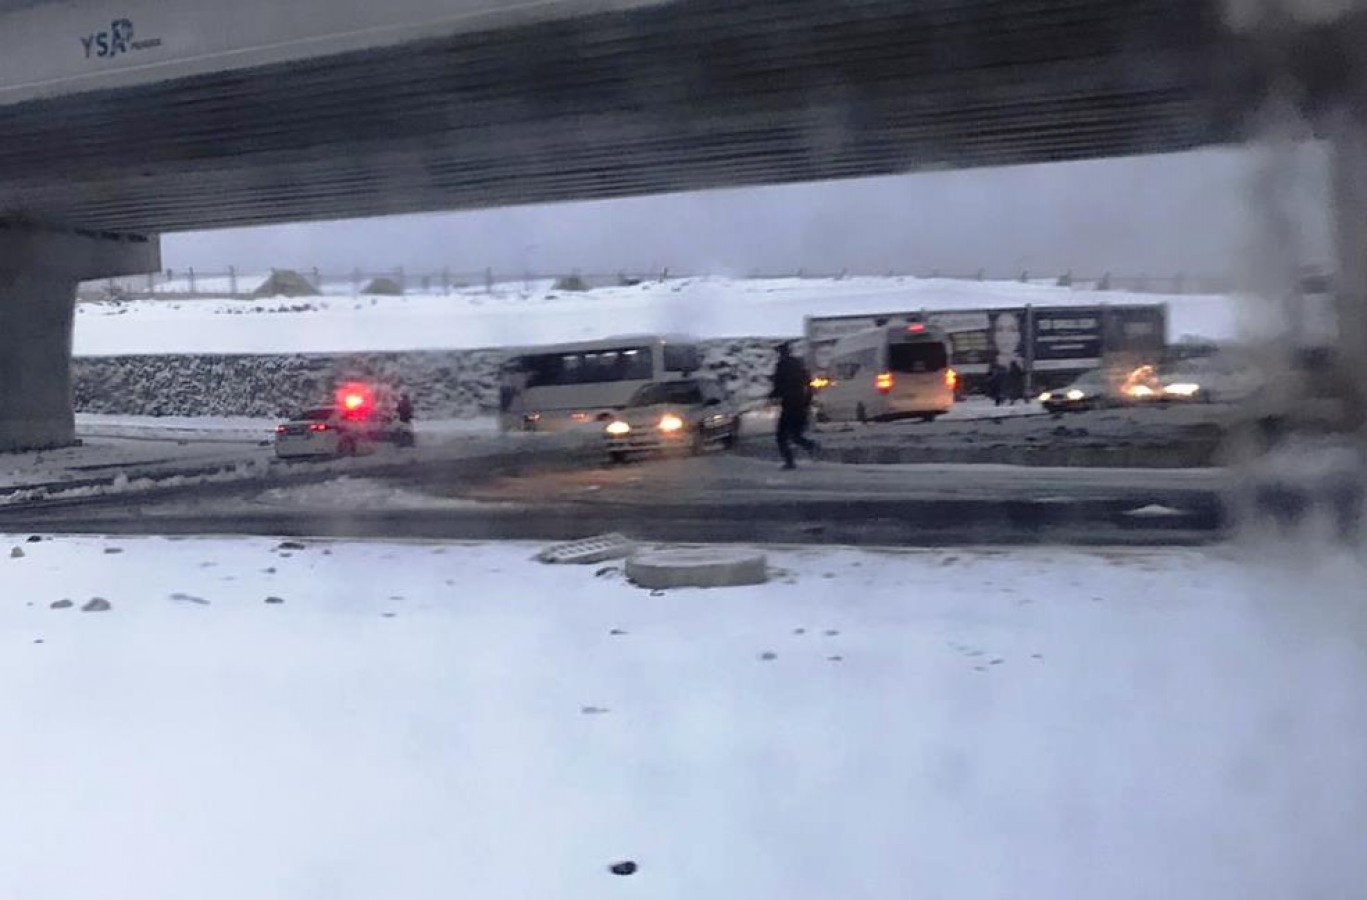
(510,316)
(443,383)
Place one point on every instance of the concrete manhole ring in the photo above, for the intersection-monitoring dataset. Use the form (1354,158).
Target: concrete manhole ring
(704,567)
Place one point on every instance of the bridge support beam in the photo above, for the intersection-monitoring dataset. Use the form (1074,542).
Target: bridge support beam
(40,268)
(1348,173)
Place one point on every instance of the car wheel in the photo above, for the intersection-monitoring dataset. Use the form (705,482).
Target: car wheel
(928,417)
(732,436)
(617,457)
(861,413)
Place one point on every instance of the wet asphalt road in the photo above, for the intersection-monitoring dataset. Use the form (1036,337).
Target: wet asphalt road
(724,497)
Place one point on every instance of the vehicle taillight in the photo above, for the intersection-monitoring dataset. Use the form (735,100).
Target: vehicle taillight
(281,429)
(319,426)
(883,383)
(951,379)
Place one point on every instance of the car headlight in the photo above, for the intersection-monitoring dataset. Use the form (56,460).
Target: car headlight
(1046,397)
(1075,395)
(1182,389)
(671,423)
(617,429)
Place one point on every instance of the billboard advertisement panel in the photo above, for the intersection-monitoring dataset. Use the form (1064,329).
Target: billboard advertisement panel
(1066,338)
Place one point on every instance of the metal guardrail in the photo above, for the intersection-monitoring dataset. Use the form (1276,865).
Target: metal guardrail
(189,283)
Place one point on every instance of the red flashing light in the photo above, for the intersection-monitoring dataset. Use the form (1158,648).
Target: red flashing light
(883,383)
(951,379)
(355,398)
(916,328)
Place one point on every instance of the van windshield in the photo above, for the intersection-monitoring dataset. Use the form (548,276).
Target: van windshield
(929,356)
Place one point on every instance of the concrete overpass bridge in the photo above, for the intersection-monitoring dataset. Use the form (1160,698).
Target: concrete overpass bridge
(173,115)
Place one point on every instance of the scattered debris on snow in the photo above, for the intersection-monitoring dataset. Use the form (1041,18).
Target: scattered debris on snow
(588,550)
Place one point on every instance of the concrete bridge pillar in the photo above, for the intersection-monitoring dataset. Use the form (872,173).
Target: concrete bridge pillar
(40,268)
(1348,171)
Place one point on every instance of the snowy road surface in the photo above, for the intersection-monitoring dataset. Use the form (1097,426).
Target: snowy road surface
(428,721)
(130,454)
(718,497)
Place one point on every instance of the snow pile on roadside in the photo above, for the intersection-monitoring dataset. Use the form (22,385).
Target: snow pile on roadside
(390,720)
(122,483)
(703,307)
(348,493)
(197,428)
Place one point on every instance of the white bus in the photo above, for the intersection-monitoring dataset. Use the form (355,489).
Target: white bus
(890,372)
(564,386)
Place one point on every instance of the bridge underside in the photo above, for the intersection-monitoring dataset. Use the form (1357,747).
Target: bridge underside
(690,95)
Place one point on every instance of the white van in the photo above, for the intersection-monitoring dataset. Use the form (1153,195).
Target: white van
(890,372)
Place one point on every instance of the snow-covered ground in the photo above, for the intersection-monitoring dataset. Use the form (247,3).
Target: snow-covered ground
(425,721)
(704,307)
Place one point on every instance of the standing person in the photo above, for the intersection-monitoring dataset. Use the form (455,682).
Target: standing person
(1008,355)
(793,390)
(994,382)
(405,408)
(1016,382)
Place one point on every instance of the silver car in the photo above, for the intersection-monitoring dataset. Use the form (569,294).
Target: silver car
(690,415)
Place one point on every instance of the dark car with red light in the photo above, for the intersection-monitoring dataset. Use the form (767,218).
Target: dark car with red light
(356,424)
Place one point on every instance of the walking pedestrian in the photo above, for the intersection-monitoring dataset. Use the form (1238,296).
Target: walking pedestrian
(793,391)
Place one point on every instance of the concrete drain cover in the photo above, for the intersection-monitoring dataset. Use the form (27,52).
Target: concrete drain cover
(708,567)
(589,550)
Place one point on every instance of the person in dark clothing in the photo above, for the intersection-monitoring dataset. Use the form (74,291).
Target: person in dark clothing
(793,391)
(1015,381)
(995,383)
(404,408)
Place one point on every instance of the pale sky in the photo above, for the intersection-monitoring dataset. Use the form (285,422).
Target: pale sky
(1191,213)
